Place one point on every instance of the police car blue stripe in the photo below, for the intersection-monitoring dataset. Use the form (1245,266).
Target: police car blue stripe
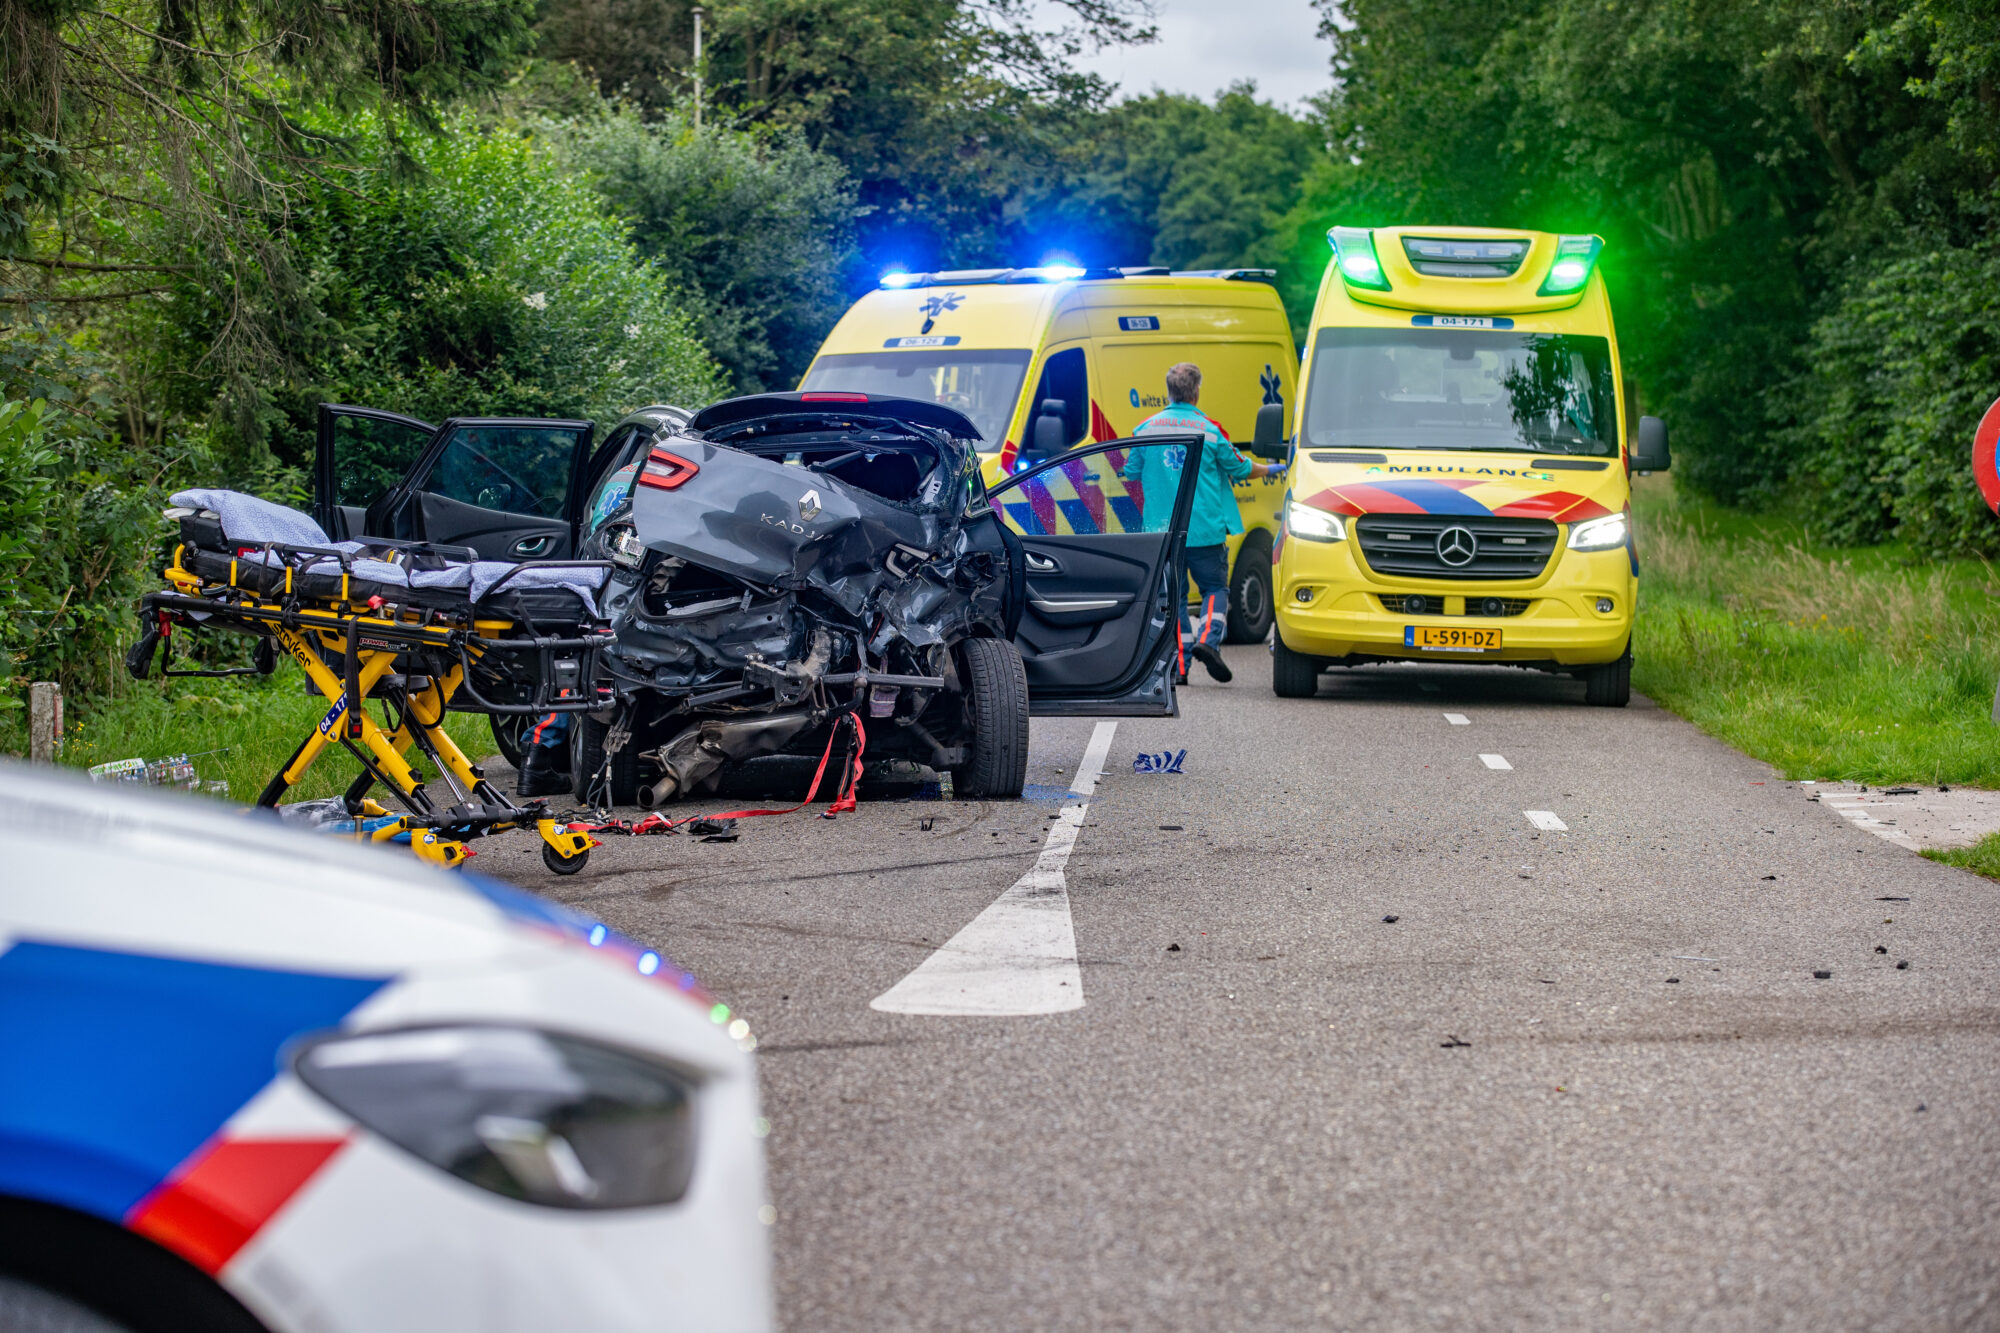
(114,1067)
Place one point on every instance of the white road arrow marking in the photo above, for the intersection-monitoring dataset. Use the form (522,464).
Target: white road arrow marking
(1019,955)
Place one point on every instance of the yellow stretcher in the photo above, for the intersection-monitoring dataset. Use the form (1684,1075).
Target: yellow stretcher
(410,650)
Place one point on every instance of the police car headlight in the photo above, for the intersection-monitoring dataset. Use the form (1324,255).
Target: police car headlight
(1600,534)
(1314,525)
(531,1115)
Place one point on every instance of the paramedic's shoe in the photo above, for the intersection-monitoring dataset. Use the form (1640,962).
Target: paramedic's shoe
(539,776)
(1212,659)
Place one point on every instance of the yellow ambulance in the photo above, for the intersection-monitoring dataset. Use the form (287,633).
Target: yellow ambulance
(1460,484)
(1049,358)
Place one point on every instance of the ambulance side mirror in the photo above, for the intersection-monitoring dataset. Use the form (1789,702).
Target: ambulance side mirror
(1269,441)
(1651,453)
(1049,436)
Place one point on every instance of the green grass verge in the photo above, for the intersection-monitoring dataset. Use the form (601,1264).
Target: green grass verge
(1858,665)
(239,730)
(1982,857)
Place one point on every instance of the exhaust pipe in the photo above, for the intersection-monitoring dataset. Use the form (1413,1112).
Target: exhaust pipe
(656,794)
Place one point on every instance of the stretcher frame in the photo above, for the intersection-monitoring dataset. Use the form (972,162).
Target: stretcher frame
(372,636)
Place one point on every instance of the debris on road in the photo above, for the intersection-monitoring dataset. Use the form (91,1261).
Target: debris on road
(1892,900)
(1173,948)
(1451,1040)
(1673,981)
(1903,966)
(714,830)
(1899,791)
(1392,918)
(1171,828)
(926,822)
(1770,876)
(1166,761)
(1822,976)
(1881,948)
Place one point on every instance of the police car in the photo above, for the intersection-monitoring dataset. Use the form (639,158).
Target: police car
(251,1079)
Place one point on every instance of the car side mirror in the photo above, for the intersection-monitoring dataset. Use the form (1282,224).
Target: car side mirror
(1651,453)
(1269,440)
(1050,435)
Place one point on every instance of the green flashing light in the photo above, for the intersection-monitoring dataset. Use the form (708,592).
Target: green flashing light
(719,1014)
(1354,255)
(1575,257)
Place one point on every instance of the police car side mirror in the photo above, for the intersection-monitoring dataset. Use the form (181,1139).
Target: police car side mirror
(1269,441)
(1651,453)
(1049,436)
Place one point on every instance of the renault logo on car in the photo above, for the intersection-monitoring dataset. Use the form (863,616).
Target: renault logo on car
(1457,547)
(809,506)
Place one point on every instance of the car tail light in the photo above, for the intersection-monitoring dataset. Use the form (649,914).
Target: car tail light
(666,471)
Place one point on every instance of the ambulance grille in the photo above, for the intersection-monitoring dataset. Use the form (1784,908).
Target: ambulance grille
(1406,546)
(1432,604)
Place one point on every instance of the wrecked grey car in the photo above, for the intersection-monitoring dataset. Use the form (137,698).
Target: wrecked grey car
(785,561)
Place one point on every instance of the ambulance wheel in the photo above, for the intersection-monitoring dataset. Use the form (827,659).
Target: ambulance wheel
(586,761)
(1251,610)
(1293,675)
(1610,685)
(509,731)
(996,697)
(564,865)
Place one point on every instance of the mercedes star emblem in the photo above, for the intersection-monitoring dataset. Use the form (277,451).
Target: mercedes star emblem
(809,507)
(1457,546)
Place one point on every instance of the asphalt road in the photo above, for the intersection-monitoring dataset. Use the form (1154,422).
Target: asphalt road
(1584,1079)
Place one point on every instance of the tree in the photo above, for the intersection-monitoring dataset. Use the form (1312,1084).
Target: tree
(754,229)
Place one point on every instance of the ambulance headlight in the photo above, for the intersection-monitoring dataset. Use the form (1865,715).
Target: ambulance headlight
(1600,534)
(546,1119)
(1314,525)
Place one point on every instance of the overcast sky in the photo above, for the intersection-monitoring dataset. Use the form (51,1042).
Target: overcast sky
(1204,47)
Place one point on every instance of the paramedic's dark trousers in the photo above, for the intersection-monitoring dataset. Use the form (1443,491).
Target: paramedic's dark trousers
(1209,567)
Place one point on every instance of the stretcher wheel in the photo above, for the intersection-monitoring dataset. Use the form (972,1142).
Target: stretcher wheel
(563,865)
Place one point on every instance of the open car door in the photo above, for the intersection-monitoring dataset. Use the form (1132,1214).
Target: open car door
(507,487)
(1103,529)
(360,455)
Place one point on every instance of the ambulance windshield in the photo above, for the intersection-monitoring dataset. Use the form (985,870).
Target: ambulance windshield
(1545,393)
(983,385)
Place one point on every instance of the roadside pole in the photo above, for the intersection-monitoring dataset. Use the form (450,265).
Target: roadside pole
(45,721)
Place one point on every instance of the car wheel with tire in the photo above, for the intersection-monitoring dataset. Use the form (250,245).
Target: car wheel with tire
(1610,685)
(1293,675)
(996,699)
(586,763)
(510,733)
(1251,609)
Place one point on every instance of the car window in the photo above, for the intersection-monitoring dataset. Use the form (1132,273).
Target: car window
(514,469)
(1064,379)
(370,455)
(1124,490)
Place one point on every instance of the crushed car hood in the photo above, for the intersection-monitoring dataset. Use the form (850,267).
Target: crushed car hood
(780,526)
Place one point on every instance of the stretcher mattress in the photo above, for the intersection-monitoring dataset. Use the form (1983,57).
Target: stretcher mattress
(411,574)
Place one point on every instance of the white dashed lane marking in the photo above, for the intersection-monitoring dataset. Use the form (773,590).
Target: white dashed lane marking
(1546,820)
(1494,761)
(1019,955)
(1458,719)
